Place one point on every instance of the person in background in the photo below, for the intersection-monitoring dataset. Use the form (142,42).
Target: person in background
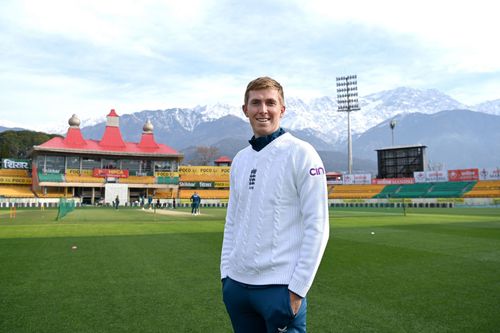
(277,223)
(195,203)
(117,202)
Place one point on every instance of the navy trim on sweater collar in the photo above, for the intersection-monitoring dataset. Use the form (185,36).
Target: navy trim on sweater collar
(259,143)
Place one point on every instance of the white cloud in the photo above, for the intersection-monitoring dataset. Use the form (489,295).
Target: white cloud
(476,92)
(463,32)
(62,57)
(32,99)
(119,24)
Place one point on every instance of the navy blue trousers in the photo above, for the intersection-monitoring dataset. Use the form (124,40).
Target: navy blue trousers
(262,309)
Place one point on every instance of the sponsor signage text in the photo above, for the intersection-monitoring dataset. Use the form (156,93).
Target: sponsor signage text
(393,181)
(197,184)
(205,170)
(430,176)
(166,174)
(15,180)
(11,163)
(463,175)
(489,174)
(360,178)
(118,173)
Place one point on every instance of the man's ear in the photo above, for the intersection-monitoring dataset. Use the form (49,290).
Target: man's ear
(244,108)
(283,109)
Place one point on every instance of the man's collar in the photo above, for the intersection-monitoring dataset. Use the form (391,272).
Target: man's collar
(259,143)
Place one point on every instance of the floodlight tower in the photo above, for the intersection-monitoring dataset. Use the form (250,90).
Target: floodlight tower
(392,124)
(347,99)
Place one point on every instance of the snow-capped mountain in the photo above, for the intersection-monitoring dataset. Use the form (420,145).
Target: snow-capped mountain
(491,107)
(454,138)
(321,114)
(318,116)
(386,104)
(318,122)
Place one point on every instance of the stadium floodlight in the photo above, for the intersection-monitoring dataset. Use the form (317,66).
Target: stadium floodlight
(392,124)
(347,100)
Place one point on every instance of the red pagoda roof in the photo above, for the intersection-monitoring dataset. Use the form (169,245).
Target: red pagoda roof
(112,137)
(147,141)
(94,146)
(112,113)
(223,159)
(74,137)
(111,143)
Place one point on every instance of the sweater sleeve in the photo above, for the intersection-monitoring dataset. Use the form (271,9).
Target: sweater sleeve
(228,241)
(313,199)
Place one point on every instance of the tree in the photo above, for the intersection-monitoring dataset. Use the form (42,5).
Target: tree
(205,155)
(18,144)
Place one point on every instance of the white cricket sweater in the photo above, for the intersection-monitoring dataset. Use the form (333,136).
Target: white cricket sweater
(277,223)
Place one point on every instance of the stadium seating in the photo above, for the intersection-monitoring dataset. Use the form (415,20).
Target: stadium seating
(17,177)
(353,191)
(53,192)
(485,189)
(14,173)
(204,178)
(16,191)
(205,194)
(83,179)
(449,189)
(426,190)
(137,180)
(418,190)
(388,191)
(165,194)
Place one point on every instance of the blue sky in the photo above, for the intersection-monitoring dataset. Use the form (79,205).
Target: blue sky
(85,57)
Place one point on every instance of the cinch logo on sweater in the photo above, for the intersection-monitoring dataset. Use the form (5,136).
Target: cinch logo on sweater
(316,171)
(251,179)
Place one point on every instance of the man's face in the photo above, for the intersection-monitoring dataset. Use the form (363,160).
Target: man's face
(264,109)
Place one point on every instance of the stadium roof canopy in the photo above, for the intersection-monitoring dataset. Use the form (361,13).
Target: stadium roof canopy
(111,143)
(403,147)
(223,159)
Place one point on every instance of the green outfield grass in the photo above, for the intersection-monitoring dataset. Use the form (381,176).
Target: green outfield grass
(434,270)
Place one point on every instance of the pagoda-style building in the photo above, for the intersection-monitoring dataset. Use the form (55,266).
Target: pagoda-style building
(96,169)
(223,161)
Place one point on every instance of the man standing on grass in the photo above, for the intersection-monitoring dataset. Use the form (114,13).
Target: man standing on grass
(195,204)
(277,221)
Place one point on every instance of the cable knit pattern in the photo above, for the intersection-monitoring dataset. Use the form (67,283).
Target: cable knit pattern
(277,220)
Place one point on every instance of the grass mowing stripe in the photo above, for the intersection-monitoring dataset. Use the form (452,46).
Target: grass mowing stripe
(447,244)
(112,284)
(135,271)
(381,288)
(108,222)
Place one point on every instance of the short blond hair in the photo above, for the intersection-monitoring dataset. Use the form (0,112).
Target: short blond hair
(265,82)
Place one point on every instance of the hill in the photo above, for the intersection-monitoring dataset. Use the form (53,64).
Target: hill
(454,138)
(318,122)
(18,144)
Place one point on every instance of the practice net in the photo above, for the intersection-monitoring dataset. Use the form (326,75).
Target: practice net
(65,207)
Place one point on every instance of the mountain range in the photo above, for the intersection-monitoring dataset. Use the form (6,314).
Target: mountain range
(454,138)
(456,135)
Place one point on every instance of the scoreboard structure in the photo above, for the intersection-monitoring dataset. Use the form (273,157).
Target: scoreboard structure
(401,161)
